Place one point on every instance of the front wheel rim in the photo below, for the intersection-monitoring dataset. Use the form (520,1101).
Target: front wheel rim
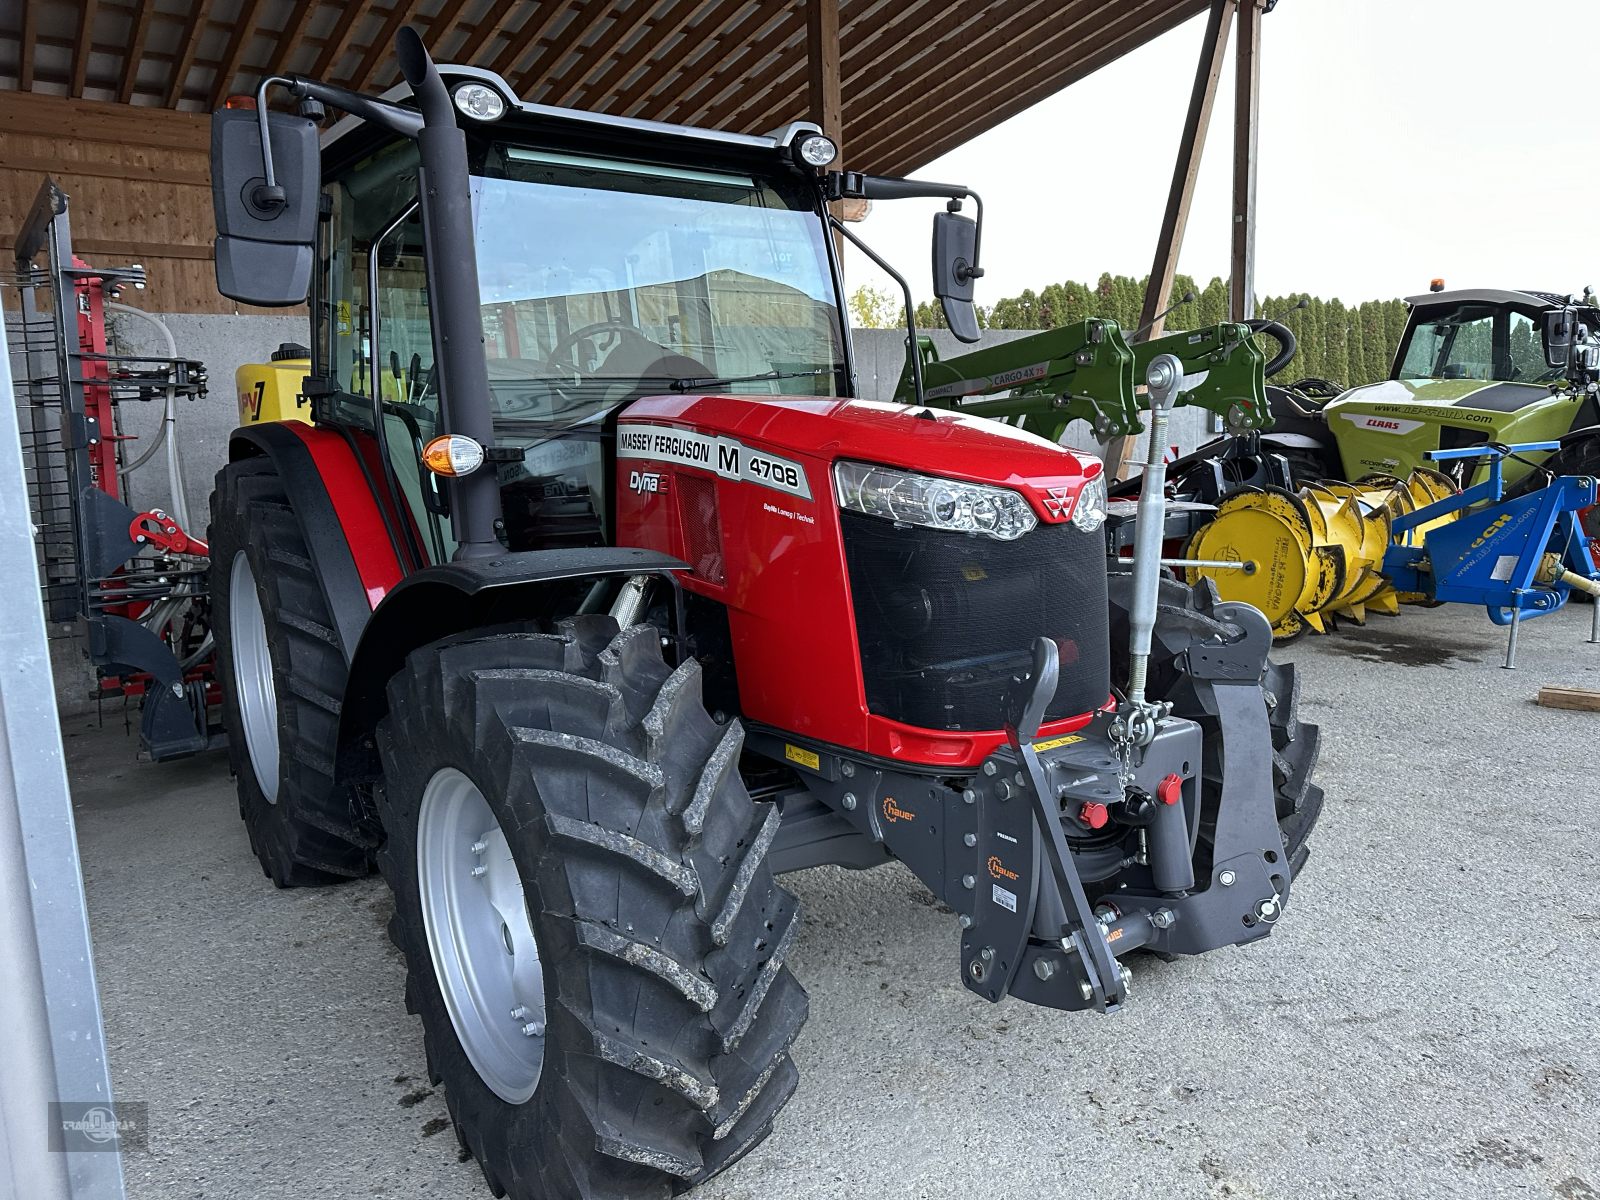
(479,937)
(252,675)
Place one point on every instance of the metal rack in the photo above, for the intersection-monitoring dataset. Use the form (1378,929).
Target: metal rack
(136,580)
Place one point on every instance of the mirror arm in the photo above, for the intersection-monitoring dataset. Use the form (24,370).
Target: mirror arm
(380,112)
(386,115)
(975,271)
(905,288)
(856,186)
(269,195)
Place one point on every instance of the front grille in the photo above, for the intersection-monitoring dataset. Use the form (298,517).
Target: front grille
(945,620)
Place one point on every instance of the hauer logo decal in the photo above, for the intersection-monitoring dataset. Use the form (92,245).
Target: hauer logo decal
(894,812)
(647,483)
(998,868)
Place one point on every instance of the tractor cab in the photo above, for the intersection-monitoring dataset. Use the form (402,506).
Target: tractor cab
(616,260)
(1474,366)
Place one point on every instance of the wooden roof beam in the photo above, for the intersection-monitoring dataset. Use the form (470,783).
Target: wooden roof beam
(534,30)
(998,39)
(1246,111)
(693,101)
(725,17)
(187,44)
(290,37)
(135,51)
(338,42)
(882,116)
(243,29)
(884,34)
(585,18)
(30,39)
(382,44)
(85,43)
(490,26)
(441,23)
(823,101)
(599,61)
(1144,22)
(1186,169)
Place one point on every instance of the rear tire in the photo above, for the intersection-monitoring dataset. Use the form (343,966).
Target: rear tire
(667,1010)
(283,676)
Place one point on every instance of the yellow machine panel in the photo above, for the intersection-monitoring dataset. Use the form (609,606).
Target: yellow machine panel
(271,391)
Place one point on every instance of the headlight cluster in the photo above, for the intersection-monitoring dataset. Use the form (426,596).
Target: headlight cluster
(1089,513)
(935,503)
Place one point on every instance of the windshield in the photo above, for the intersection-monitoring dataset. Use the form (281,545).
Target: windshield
(1476,341)
(602,280)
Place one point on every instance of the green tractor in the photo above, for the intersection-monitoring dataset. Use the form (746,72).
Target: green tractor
(1477,366)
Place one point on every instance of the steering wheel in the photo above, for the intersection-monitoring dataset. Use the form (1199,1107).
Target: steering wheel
(568,343)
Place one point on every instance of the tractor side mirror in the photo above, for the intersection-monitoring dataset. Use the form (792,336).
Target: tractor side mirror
(1560,328)
(955,253)
(265,233)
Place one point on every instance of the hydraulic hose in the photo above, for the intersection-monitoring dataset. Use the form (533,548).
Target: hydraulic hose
(169,420)
(1284,336)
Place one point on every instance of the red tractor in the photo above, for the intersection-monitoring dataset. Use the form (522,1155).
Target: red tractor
(587,601)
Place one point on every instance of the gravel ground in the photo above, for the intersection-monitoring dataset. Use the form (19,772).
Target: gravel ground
(1422,1023)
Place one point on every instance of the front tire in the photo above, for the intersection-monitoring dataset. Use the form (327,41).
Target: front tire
(648,1049)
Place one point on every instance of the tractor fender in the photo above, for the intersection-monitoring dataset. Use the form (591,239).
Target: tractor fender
(304,458)
(436,602)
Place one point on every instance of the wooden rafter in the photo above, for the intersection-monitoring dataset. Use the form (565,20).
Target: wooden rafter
(533,31)
(135,52)
(30,39)
(787,41)
(1246,111)
(441,23)
(599,57)
(885,34)
(1054,66)
(244,28)
(187,44)
(726,16)
(1186,169)
(981,44)
(875,116)
(490,26)
(338,42)
(80,56)
(823,100)
(585,18)
(402,12)
(294,32)
(697,92)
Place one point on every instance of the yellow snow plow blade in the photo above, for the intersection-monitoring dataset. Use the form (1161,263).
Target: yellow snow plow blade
(1315,554)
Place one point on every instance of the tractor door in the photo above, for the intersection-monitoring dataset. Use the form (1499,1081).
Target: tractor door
(374,329)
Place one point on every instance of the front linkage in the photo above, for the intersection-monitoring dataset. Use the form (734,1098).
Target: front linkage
(1055,865)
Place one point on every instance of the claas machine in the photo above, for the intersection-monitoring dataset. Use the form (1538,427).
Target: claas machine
(584,599)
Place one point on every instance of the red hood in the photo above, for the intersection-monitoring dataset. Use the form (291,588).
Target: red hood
(933,441)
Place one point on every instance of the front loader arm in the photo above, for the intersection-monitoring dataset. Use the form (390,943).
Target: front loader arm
(1086,371)
(1079,371)
(1234,386)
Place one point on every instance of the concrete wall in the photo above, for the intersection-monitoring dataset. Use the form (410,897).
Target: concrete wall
(224,343)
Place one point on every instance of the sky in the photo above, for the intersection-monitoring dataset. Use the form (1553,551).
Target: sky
(1400,140)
